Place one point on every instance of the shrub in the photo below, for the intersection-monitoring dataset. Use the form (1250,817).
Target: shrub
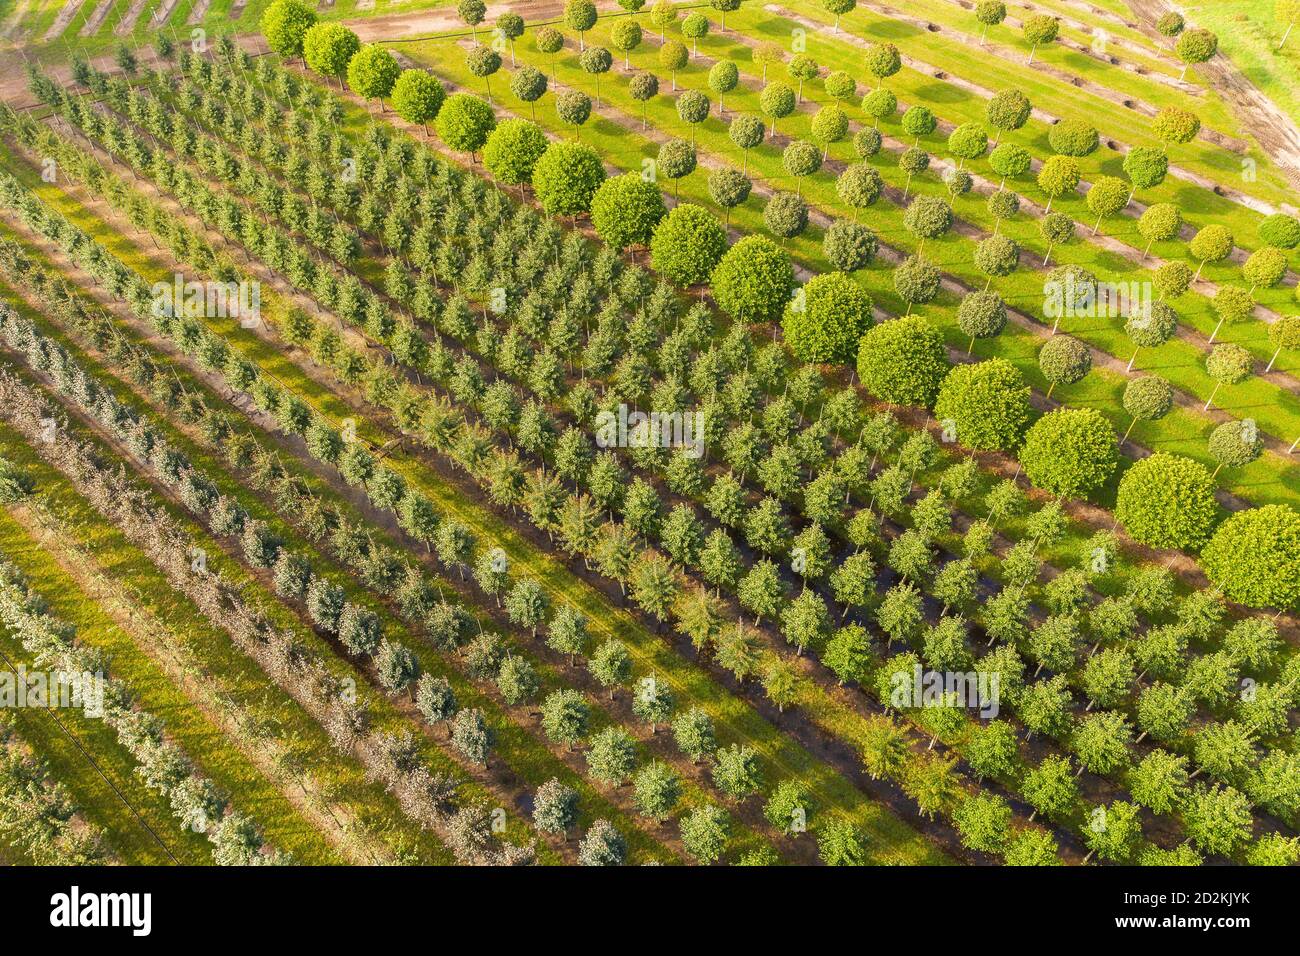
(987,404)
(1167,501)
(827,320)
(1254,557)
(566,178)
(753,280)
(903,361)
(1070,452)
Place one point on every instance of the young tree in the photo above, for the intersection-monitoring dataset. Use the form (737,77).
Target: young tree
(705,832)
(580,15)
(284,24)
(777,101)
(903,361)
(465,122)
(1252,557)
(882,60)
(1167,501)
(1039,29)
(1283,334)
(1212,243)
(827,320)
(1007,111)
(596,61)
(555,807)
(753,280)
(728,188)
(643,87)
(327,49)
(550,41)
(1235,444)
(471,13)
(1194,47)
(1147,398)
(1227,365)
(849,246)
(1056,229)
(984,405)
(1057,177)
(417,97)
(1150,328)
(602,846)
(687,245)
(859,186)
(566,178)
(1107,197)
(625,211)
(1063,360)
(1070,452)
(695,27)
(673,56)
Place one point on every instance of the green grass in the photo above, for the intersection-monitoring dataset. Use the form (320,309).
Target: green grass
(1249,33)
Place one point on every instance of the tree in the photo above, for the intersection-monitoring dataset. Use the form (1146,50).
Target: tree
(1113,832)
(1057,177)
(549,42)
(1007,112)
(1265,267)
(984,822)
(882,60)
(746,132)
(1175,126)
(1039,29)
(981,315)
(513,149)
(372,73)
(1280,231)
(555,807)
(825,322)
(1195,46)
(1288,12)
(1147,398)
(859,186)
(695,27)
(985,405)
(724,7)
(736,772)
(753,280)
(611,756)
(663,15)
(1217,818)
(777,101)
(997,256)
(573,107)
(839,8)
(849,246)
(840,843)
(968,142)
(1254,557)
(471,13)
(801,158)
(879,104)
(643,87)
(327,48)
(728,188)
(465,122)
(602,846)
(687,245)
(916,281)
(1073,138)
(1167,501)
(1283,334)
(705,832)
(1150,328)
(596,61)
(418,96)
(1212,243)
(723,78)
(919,121)
(673,56)
(927,217)
(1145,167)
(471,735)
(566,178)
(1227,365)
(830,124)
(1057,229)
(1159,223)
(1065,360)
(611,665)
(625,37)
(1031,847)
(565,716)
(1232,305)
(1107,197)
(1070,452)
(284,24)
(625,211)
(656,790)
(580,15)
(1235,444)
(903,361)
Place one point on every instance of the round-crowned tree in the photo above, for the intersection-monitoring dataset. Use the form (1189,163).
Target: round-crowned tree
(1195,46)
(687,245)
(643,87)
(673,56)
(927,217)
(510,27)
(728,188)
(1212,243)
(465,122)
(695,27)
(596,61)
(1003,204)
(840,85)
(418,96)
(1147,398)
(626,209)
(746,132)
(580,16)
(753,280)
(919,121)
(284,24)
(777,101)
(1167,501)
(483,61)
(1063,360)
(1170,24)
(1107,197)
(1057,177)
(471,13)
(858,187)
(1265,268)
(903,361)
(676,161)
(1072,137)
(1007,111)
(1284,334)
(1172,279)
(513,149)
(916,281)
(981,315)
(830,124)
(984,405)
(879,104)
(529,84)
(566,178)
(867,142)
(1057,229)
(723,78)
(968,142)
(1175,126)
(1145,167)
(1280,231)
(327,48)
(1070,452)
(1232,304)
(800,159)
(802,68)
(1235,445)
(849,246)
(882,60)
(826,319)
(989,13)
(1227,365)
(625,37)
(692,109)
(1039,29)
(1159,223)
(996,256)
(786,216)
(839,8)
(573,107)
(1254,557)
(1150,328)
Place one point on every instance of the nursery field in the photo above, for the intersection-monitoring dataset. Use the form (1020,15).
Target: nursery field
(802,433)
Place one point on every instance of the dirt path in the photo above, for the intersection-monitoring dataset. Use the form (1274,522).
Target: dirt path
(198,12)
(96,19)
(14,19)
(128,21)
(66,15)
(1274,130)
